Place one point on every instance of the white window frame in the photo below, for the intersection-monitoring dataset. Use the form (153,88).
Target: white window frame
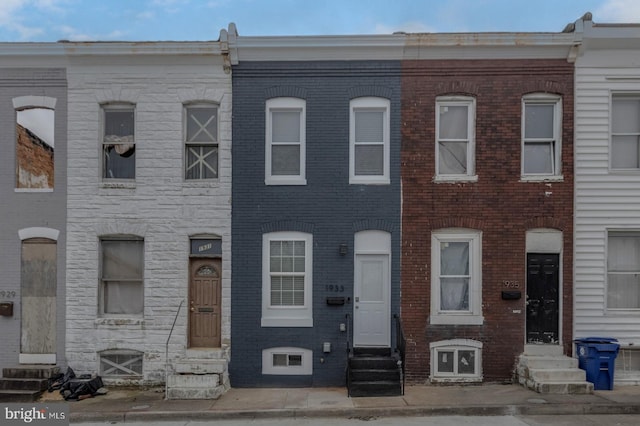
(556,140)
(455,346)
(287,316)
(472,316)
(102,279)
(285,104)
(213,143)
(620,232)
(470,103)
(629,96)
(306,369)
(116,106)
(371,103)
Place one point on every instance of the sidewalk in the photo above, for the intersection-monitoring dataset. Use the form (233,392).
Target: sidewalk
(128,405)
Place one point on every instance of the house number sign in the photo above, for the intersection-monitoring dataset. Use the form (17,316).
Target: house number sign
(334,288)
(511,284)
(7,294)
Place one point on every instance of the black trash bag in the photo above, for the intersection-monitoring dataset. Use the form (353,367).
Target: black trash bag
(59,380)
(84,389)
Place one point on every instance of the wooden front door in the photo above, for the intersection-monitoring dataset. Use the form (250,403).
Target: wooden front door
(204,303)
(543,307)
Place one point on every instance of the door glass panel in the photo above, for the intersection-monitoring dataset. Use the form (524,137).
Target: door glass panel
(372,276)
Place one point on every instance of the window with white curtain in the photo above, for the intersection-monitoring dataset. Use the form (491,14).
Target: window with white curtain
(455,133)
(121,276)
(541,135)
(285,139)
(369,141)
(456,281)
(623,270)
(625,131)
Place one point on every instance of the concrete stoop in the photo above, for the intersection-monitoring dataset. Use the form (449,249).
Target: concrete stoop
(202,374)
(552,374)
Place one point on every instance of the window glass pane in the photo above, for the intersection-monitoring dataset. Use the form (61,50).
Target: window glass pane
(369,160)
(119,161)
(202,162)
(538,158)
(454,258)
(372,281)
(623,291)
(202,125)
(454,294)
(452,158)
(369,126)
(624,253)
(625,115)
(538,121)
(118,126)
(624,152)
(295,360)
(466,362)
(285,160)
(35,148)
(279,360)
(122,259)
(445,361)
(123,297)
(453,122)
(285,126)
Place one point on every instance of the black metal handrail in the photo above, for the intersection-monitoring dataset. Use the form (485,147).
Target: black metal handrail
(401,347)
(349,352)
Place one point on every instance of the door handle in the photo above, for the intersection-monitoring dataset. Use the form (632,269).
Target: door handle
(193,309)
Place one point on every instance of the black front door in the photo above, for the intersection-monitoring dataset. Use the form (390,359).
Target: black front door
(542,298)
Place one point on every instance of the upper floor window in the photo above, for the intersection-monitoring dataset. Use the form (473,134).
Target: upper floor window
(287,279)
(625,131)
(201,142)
(118,142)
(623,270)
(369,141)
(455,144)
(541,136)
(121,275)
(285,149)
(456,280)
(34,148)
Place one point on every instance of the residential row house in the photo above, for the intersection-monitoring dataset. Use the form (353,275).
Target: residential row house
(428,198)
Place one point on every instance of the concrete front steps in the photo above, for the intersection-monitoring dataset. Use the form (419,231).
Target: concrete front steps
(545,369)
(201,374)
(25,383)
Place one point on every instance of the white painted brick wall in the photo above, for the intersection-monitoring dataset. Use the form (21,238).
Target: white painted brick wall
(161,206)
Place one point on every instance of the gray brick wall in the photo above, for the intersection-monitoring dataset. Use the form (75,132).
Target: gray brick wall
(328,205)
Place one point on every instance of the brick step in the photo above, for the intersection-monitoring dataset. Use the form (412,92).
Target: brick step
(19,395)
(30,372)
(24,384)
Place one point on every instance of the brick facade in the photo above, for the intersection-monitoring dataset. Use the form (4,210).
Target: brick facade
(499,204)
(35,160)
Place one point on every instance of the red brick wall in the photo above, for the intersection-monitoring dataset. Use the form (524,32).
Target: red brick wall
(35,161)
(499,205)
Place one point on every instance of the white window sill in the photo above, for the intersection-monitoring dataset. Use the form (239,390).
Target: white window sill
(541,178)
(632,172)
(455,179)
(288,181)
(118,185)
(116,321)
(353,181)
(286,322)
(33,190)
(456,319)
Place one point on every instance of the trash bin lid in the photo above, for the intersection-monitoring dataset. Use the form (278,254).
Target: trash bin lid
(596,340)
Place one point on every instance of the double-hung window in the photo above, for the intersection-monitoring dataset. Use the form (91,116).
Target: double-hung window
(456,281)
(369,141)
(286,279)
(455,144)
(285,149)
(121,276)
(118,142)
(625,132)
(541,136)
(623,270)
(201,142)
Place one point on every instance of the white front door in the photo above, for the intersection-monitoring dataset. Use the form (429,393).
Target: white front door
(372,293)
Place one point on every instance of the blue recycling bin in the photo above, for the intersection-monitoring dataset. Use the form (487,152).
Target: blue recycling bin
(597,356)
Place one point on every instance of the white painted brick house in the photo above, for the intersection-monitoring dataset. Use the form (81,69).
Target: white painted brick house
(149,202)
(607,190)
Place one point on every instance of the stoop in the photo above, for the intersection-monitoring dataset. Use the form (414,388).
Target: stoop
(201,374)
(545,369)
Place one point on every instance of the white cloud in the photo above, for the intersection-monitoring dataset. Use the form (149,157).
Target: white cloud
(627,11)
(16,16)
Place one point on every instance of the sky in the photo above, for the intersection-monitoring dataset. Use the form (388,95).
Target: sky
(195,20)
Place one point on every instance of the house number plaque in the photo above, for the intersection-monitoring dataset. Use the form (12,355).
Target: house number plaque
(511,284)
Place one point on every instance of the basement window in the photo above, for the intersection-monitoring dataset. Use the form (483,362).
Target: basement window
(121,363)
(457,360)
(287,361)
(627,365)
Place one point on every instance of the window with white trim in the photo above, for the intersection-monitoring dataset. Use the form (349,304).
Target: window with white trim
(201,142)
(285,150)
(455,134)
(121,276)
(541,136)
(35,148)
(121,363)
(457,360)
(118,141)
(287,279)
(623,270)
(456,277)
(287,361)
(625,131)
(369,140)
